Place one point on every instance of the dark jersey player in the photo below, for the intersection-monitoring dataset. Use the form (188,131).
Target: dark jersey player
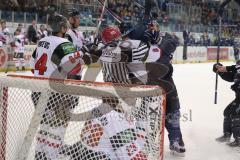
(231,123)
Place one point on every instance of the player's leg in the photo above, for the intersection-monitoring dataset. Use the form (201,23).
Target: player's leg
(173,122)
(236,123)
(16,60)
(22,61)
(227,124)
(236,131)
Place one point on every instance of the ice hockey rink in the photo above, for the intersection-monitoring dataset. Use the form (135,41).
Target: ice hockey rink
(201,120)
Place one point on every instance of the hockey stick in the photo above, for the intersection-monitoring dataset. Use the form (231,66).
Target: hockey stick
(138,4)
(90,74)
(220,12)
(101,17)
(218,56)
(114,15)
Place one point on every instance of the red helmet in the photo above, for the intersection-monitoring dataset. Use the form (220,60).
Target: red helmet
(110,33)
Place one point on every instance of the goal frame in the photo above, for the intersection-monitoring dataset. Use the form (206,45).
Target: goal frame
(32,129)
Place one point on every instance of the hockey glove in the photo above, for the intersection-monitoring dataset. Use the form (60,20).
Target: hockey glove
(152,37)
(87,58)
(168,44)
(94,46)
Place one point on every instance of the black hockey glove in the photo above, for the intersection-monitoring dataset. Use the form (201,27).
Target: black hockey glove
(215,67)
(152,37)
(87,58)
(95,43)
(85,49)
(168,44)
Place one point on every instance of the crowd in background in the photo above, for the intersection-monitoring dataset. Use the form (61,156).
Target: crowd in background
(190,39)
(32,33)
(179,14)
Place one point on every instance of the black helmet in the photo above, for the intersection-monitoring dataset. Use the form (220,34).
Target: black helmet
(56,22)
(72,12)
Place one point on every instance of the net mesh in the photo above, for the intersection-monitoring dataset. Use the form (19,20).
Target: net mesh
(46,119)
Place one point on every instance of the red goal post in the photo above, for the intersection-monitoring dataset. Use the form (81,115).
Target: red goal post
(56,118)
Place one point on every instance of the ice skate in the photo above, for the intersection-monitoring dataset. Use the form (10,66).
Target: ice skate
(225,138)
(177,148)
(235,143)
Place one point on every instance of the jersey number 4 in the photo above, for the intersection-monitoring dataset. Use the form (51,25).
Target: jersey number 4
(41,64)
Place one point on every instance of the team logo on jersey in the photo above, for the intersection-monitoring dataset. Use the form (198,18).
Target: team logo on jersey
(140,156)
(92,133)
(134,153)
(123,138)
(68,48)
(155,50)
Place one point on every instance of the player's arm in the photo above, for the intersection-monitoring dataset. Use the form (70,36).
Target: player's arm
(138,54)
(32,60)
(93,51)
(18,42)
(168,44)
(67,58)
(225,72)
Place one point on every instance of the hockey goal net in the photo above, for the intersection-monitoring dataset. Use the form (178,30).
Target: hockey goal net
(46,119)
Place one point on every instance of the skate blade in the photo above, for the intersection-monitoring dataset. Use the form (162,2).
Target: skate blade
(177,154)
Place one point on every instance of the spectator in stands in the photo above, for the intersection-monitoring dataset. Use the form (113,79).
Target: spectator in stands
(236,53)
(32,32)
(42,32)
(192,41)
(205,39)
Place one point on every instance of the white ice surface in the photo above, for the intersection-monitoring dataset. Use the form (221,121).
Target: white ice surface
(195,84)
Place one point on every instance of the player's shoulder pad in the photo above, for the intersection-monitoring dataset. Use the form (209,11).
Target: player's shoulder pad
(68,48)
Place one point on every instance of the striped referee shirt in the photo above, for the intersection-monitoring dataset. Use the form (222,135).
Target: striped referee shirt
(115,60)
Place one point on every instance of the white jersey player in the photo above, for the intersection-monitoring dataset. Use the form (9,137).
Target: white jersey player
(18,44)
(74,35)
(53,55)
(112,136)
(5,32)
(52,52)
